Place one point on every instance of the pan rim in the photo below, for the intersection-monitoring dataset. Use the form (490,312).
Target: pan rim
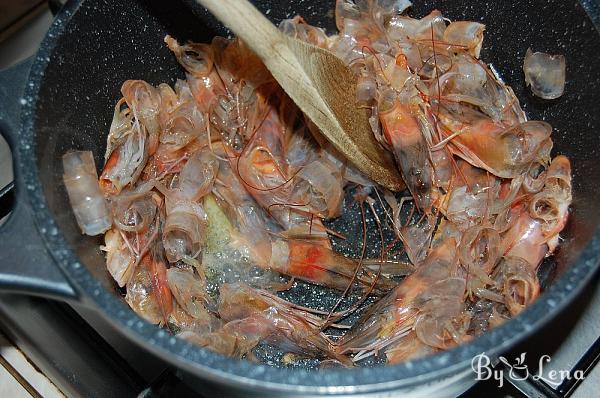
(243,373)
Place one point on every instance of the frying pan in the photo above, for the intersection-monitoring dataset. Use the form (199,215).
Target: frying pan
(65,98)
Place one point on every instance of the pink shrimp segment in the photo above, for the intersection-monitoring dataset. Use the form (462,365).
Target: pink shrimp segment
(411,319)
(264,170)
(296,330)
(202,77)
(402,130)
(319,264)
(504,152)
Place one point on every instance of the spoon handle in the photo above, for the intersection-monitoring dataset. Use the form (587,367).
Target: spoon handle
(277,52)
(249,24)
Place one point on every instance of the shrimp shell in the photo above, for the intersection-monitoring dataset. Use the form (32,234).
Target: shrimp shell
(126,162)
(144,101)
(292,329)
(140,296)
(319,184)
(465,34)
(552,212)
(196,58)
(506,153)
(234,339)
(88,204)
(120,126)
(185,124)
(296,28)
(197,176)
(440,304)
(184,231)
(525,239)
(479,251)
(520,284)
(134,211)
(480,248)
(189,291)
(120,262)
(545,74)
(389,322)
(403,132)
(558,177)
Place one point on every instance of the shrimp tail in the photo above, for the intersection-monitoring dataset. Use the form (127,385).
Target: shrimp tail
(160,287)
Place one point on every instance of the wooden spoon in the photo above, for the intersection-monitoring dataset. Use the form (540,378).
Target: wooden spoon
(318,82)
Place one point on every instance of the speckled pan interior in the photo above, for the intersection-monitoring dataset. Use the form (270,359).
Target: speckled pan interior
(95,45)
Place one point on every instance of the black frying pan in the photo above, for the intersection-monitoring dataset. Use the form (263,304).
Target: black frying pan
(67,101)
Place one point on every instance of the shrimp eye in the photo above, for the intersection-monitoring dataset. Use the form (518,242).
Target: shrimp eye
(191,53)
(196,60)
(545,208)
(421,185)
(132,217)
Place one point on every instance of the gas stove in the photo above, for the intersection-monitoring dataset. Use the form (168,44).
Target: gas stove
(84,356)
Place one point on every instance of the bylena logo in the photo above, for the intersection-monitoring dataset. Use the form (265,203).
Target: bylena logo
(518,370)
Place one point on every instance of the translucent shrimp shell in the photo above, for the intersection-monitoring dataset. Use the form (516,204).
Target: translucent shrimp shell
(545,74)
(184,230)
(81,180)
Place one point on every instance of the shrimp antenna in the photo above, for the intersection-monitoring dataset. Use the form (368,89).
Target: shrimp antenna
(334,317)
(329,319)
